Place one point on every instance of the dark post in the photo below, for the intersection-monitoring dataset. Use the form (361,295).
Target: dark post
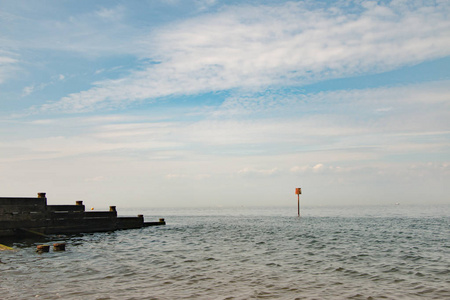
(112,208)
(41,195)
(298,191)
(59,247)
(42,248)
(79,202)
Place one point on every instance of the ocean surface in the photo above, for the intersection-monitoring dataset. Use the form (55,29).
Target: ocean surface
(384,252)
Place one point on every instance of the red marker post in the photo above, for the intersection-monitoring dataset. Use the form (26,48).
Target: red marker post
(298,191)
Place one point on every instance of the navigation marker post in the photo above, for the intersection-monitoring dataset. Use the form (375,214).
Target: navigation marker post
(298,191)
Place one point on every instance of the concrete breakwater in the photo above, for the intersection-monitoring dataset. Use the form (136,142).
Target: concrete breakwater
(25,216)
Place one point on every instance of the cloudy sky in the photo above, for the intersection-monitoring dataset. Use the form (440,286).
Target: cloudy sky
(225,103)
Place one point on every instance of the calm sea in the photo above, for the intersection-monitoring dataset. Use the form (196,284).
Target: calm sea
(394,252)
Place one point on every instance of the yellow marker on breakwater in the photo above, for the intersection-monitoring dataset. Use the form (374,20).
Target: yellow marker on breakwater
(3,247)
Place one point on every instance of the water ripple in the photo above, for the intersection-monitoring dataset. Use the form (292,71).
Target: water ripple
(229,257)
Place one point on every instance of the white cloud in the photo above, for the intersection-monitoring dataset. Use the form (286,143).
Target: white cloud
(175,176)
(318,168)
(8,65)
(111,14)
(28,90)
(384,109)
(91,30)
(7,60)
(343,122)
(262,136)
(258,172)
(205,4)
(255,47)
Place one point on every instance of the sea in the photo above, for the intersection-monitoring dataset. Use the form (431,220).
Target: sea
(370,252)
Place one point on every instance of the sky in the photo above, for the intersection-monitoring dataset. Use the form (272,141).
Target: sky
(208,103)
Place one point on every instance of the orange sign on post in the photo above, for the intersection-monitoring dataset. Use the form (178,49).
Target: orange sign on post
(298,191)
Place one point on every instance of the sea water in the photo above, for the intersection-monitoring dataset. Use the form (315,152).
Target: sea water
(391,252)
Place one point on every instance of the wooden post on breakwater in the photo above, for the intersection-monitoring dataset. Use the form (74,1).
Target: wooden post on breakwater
(59,247)
(42,248)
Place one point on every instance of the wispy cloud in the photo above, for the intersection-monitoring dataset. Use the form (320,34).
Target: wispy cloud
(111,14)
(257,172)
(249,47)
(28,90)
(90,32)
(346,123)
(8,65)
(240,120)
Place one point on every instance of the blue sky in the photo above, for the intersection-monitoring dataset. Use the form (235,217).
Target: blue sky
(225,103)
